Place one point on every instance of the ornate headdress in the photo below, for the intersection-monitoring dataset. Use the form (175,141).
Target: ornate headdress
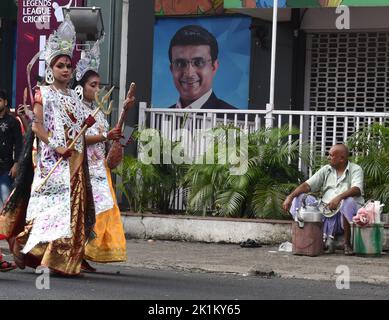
(91,61)
(61,42)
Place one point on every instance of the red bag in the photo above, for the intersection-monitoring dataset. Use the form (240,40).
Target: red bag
(115,155)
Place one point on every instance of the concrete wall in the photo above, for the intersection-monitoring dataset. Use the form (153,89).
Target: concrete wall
(219,230)
(140,55)
(205,230)
(261,62)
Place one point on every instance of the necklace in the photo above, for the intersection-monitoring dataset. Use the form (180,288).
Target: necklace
(61,91)
(88,104)
(71,112)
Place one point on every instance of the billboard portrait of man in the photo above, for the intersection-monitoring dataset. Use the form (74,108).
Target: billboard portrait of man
(204,74)
(193,56)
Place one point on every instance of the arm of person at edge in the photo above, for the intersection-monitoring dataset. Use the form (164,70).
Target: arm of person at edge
(17,132)
(352,192)
(302,188)
(14,170)
(113,134)
(25,115)
(39,130)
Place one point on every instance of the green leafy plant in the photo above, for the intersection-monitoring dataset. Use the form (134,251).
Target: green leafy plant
(258,192)
(149,187)
(136,183)
(370,148)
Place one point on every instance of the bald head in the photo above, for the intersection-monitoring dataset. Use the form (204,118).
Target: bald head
(341,149)
(338,156)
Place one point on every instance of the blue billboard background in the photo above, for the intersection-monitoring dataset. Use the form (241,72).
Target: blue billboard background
(231,82)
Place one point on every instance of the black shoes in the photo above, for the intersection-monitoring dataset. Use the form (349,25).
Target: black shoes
(249,243)
(348,251)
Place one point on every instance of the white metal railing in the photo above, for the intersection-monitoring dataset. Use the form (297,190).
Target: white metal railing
(319,130)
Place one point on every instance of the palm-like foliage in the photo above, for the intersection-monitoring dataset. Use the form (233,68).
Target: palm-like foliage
(149,187)
(136,181)
(260,190)
(215,188)
(204,182)
(370,147)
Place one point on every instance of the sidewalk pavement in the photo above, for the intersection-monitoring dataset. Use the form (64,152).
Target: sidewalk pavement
(265,261)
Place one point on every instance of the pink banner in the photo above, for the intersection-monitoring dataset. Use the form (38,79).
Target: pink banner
(37,19)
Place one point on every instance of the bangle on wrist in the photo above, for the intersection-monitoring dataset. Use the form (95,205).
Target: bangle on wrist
(36,120)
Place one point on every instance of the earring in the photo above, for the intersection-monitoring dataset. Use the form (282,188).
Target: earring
(49,76)
(80,92)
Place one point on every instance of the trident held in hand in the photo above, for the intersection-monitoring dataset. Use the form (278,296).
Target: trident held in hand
(100,106)
(103,101)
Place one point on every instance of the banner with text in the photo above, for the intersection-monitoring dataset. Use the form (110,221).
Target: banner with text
(37,19)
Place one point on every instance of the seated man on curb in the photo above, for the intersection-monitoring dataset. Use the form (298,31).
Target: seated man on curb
(341,186)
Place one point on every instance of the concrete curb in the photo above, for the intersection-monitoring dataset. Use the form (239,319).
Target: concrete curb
(205,229)
(211,229)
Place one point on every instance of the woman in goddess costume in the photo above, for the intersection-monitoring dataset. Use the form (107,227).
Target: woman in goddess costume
(109,244)
(60,214)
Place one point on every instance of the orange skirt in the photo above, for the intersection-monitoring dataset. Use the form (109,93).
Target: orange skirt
(109,245)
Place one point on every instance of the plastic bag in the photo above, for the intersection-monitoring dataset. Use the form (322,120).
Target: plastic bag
(365,215)
(285,247)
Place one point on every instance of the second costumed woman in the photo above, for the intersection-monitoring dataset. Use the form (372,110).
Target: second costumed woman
(109,244)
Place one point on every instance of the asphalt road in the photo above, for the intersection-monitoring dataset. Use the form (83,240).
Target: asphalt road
(125,283)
